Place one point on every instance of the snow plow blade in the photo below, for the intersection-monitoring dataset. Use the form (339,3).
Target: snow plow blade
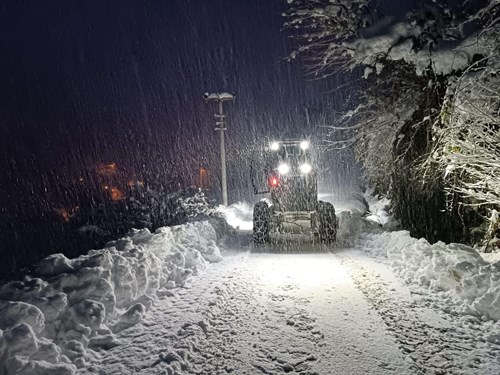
(292,246)
(291,230)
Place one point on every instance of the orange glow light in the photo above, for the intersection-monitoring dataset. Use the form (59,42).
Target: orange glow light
(107,169)
(67,213)
(64,213)
(132,183)
(116,194)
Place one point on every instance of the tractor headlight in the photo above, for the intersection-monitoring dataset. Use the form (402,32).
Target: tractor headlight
(304,145)
(283,168)
(275,146)
(305,168)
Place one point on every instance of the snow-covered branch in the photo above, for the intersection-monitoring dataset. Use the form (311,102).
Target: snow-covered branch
(467,139)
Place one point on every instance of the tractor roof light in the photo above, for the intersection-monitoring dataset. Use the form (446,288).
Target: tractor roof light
(304,145)
(275,146)
(283,168)
(305,168)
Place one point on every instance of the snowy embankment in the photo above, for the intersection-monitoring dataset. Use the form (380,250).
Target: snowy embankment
(238,215)
(48,324)
(467,282)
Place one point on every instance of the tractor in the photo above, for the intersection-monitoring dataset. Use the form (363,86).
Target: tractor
(289,180)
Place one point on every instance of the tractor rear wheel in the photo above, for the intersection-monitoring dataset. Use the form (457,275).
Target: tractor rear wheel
(327,222)
(261,217)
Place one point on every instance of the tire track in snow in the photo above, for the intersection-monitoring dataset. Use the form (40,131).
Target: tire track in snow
(433,350)
(260,314)
(144,342)
(246,330)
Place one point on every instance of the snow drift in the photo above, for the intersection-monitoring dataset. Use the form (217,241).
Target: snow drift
(238,215)
(48,324)
(468,284)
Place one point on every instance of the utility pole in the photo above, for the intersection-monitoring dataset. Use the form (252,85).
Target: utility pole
(220,98)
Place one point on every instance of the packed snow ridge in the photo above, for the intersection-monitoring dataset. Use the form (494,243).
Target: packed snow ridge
(48,324)
(466,283)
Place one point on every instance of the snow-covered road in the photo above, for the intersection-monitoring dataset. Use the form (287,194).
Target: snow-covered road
(262,313)
(314,313)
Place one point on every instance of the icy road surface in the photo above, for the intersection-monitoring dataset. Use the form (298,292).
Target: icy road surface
(320,313)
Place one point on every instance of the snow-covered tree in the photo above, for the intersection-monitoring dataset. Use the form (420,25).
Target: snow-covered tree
(345,34)
(408,52)
(376,127)
(466,140)
(466,144)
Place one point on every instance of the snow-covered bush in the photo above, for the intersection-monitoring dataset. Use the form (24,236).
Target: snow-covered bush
(151,208)
(466,147)
(49,323)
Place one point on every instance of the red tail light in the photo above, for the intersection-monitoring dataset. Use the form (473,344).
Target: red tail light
(274,181)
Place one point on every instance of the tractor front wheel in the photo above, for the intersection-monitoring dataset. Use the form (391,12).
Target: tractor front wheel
(261,217)
(327,222)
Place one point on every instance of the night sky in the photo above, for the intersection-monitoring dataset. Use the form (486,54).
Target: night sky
(90,82)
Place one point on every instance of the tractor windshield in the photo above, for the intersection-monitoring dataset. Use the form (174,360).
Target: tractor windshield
(292,153)
(289,157)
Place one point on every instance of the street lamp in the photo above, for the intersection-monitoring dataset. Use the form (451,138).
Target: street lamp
(220,122)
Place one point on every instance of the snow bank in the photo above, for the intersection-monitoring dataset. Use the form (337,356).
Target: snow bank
(350,200)
(48,324)
(351,225)
(469,284)
(374,217)
(379,210)
(238,215)
(467,281)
